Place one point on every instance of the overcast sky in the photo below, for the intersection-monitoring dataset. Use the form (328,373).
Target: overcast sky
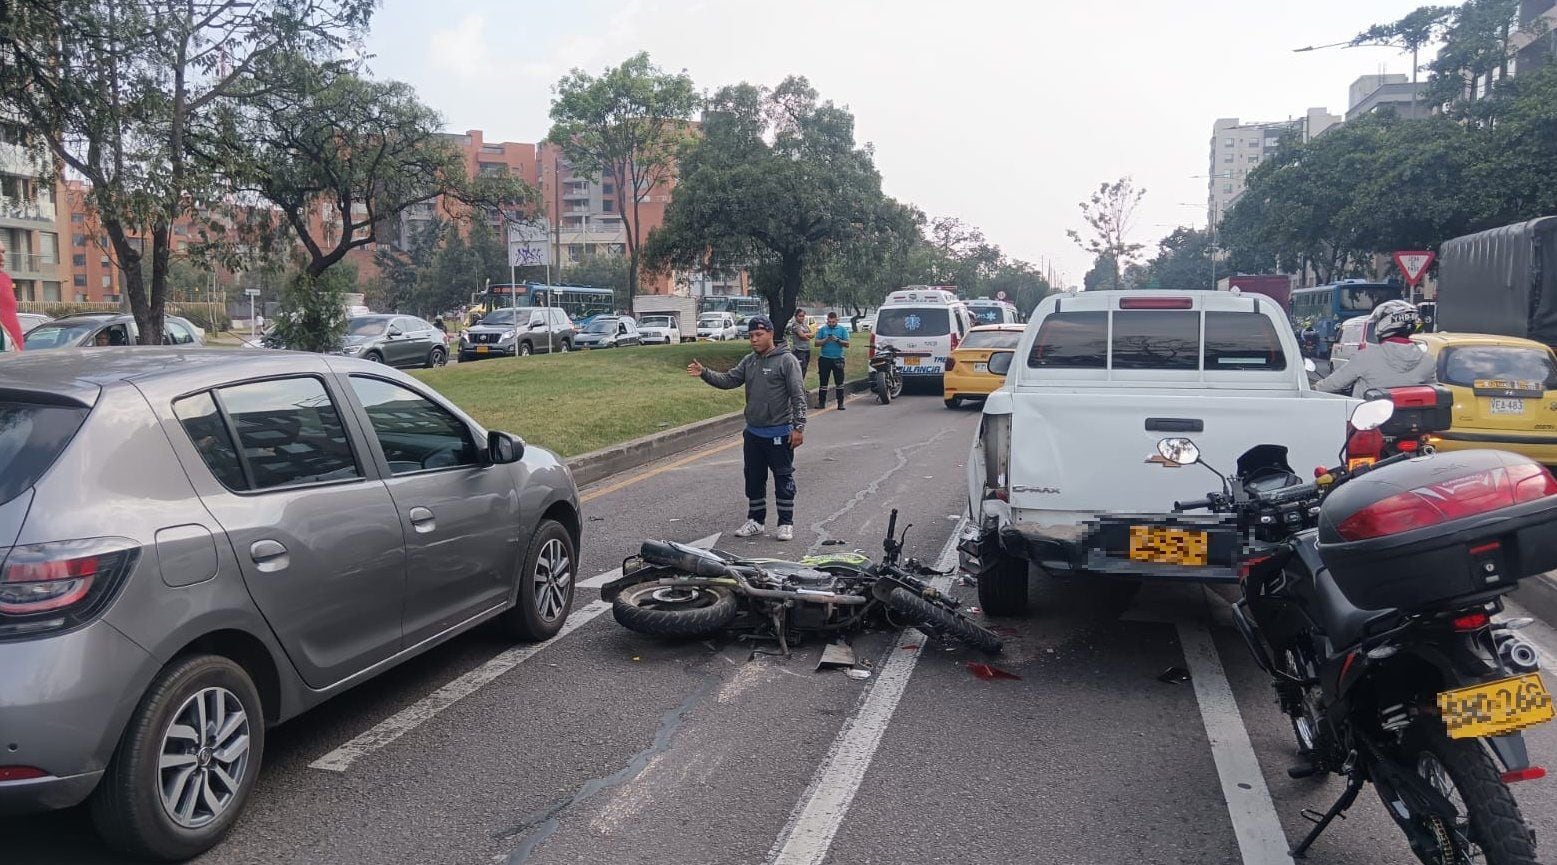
(1004,114)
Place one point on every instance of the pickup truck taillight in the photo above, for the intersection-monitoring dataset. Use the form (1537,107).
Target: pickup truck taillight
(56,586)
(995,435)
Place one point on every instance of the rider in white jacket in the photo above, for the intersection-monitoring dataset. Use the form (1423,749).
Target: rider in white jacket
(1395,361)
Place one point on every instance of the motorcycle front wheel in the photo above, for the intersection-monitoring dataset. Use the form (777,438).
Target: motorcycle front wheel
(883,387)
(918,611)
(674,611)
(1489,827)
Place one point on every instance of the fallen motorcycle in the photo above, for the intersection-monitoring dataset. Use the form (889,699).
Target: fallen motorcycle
(675,590)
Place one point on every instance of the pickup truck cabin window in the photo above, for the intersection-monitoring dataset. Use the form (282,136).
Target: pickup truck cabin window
(1157,340)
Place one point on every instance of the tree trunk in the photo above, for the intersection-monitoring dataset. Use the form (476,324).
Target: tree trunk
(632,235)
(793,268)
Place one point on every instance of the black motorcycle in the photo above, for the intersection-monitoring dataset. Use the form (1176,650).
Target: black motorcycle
(1368,597)
(885,377)
(674,590)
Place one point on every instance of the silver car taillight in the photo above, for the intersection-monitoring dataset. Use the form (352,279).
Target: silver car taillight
(57,586)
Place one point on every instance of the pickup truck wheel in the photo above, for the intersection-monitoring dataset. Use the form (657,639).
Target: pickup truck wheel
(1003,588)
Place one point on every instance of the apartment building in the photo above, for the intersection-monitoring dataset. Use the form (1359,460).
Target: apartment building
(29,230)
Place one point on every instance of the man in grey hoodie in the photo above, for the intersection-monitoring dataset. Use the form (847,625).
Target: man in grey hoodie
(1395,361)
(775,424)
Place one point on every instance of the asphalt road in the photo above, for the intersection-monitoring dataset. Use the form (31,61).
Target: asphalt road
(608,747)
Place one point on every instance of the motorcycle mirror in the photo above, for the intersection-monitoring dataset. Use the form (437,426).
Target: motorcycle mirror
(1308,364)
(1372,414)
(1179,450)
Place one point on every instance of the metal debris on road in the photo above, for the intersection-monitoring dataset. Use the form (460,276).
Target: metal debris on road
(1174,676)
(988,672)
(839,654)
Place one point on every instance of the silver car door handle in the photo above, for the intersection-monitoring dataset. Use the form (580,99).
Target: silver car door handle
(269,556)
(422,520)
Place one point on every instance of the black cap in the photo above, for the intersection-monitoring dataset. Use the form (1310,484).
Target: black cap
(759,322)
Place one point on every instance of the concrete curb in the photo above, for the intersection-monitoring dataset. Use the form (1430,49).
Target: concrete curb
(598,465)
(1538,594)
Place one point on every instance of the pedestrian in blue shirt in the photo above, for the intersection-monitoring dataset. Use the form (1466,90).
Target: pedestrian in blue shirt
(831,343)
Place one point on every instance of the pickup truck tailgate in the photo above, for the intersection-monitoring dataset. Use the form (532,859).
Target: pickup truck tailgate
(1078,453)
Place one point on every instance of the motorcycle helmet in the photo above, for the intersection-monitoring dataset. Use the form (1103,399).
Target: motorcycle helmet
(1394,318)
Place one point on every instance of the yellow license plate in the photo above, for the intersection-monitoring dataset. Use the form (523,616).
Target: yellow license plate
(1167,546)
(1359,462)
(482,349)
(910,361)
(1496,707)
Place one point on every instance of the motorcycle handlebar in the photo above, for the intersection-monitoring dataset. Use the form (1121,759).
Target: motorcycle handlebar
(1191,506)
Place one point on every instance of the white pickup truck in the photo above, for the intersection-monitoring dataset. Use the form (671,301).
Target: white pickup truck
(1061,476)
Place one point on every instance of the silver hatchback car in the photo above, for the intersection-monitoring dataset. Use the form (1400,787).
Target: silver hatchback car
(196,544)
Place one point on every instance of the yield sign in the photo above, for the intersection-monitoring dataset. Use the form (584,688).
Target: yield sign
(1414,265)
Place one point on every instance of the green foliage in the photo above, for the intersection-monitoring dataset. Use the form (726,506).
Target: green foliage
(627,125)
(603,271)
(1110,216)
(776,181)
(312,317)
(112,90)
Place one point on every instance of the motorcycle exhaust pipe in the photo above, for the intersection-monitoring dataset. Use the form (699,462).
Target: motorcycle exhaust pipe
(665,555)
(1518,654)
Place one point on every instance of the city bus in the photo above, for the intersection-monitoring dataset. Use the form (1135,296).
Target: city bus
(577,301)
(742,306)
(1329,305)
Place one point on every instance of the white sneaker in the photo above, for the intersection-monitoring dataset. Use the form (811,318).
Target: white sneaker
(786,533)
(751,529)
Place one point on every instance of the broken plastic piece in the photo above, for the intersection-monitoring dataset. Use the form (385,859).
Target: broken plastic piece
(1174,676)
(857,673)
(985,671)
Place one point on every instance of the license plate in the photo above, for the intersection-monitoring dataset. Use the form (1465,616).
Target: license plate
(1506,405)
(981,367)
(1495,708)
(910,361)
(1165,546)
(483,349)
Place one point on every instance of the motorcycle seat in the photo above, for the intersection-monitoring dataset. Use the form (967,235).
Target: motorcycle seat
(1343,623)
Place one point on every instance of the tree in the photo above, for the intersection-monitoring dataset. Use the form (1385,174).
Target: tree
(1476,45)
(1110,215)
(860,271)
(1182,262)
(112,88)
(626,125)
(1103,274)
(312,316)
(1415,31)
(776,181)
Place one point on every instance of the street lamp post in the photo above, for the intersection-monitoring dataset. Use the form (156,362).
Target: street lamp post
(1211,216)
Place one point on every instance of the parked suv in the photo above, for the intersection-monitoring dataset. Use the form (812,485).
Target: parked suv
(518,332)
(199,544)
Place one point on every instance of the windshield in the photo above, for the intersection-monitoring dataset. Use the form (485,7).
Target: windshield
(992,339)
(988,314)
(59,335)
(367,326)
(1469,364)
(655,321)
(913,321)
(711,321)
(505,316)
(31,438)
(602,325)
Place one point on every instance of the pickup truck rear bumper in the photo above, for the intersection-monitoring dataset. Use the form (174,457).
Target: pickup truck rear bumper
(1103,548)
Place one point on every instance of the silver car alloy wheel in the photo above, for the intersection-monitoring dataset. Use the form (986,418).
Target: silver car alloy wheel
(553,578)
(205,757)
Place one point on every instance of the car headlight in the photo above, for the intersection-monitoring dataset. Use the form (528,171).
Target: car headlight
(464,338)
(352,349)
(509,336)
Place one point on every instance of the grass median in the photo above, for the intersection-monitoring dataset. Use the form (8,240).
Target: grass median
(585,400)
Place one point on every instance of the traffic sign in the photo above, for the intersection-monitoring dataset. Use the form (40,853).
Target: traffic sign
(251,292)
(1414,264)
(1000,295)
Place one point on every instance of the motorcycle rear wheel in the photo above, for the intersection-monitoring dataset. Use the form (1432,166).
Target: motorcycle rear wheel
(1490,824)
(918,611)
(674,611)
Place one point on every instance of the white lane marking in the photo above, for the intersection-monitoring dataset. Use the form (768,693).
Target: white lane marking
(1260,837)
(816,818)
(425,709)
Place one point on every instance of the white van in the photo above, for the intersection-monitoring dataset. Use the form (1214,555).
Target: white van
(925,325)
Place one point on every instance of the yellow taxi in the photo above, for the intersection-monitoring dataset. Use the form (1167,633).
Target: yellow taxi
(978,364)
(1505,393)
